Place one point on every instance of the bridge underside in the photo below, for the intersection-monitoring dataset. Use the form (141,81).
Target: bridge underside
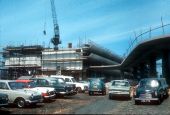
(141,61)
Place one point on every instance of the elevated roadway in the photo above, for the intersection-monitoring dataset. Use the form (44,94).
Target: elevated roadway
(141,61)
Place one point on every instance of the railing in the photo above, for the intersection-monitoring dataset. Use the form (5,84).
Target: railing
(149,34)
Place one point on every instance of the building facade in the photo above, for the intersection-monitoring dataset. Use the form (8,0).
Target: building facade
(37,60)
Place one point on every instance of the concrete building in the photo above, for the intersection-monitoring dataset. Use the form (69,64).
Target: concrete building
(37,60)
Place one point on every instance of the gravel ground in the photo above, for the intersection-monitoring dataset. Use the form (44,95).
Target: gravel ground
(85,104)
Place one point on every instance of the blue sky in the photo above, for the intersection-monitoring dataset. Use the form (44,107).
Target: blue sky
(109,23)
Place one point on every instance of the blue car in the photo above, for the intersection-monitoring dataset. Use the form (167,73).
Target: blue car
(97,85)
(151,89)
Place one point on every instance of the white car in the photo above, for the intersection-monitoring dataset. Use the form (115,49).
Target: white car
(46,92)
(81,87)
(17,95)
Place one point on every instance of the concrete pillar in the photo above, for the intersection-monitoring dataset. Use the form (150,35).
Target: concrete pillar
(142,70)
(166,65)
(122,74)
(152,67)
(135,72)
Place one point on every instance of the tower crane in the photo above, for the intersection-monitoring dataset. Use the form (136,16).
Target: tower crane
(56,38)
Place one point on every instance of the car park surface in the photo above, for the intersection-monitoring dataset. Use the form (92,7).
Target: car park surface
(97,104)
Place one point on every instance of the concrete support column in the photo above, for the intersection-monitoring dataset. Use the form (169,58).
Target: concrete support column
(143,70)
(166,65)
(135,72)
(152,67)
(122,74)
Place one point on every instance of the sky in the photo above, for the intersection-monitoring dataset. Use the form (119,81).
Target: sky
(109,23)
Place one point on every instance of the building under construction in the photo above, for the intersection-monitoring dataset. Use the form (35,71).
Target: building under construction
(22,60)
(37,60)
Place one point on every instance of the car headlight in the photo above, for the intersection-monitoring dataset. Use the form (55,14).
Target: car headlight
(4,98)
(31,97)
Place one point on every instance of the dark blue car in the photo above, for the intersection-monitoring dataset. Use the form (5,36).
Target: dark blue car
(97,85)
(151,89)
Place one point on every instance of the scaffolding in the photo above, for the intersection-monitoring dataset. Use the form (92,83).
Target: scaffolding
(37,60)
(22,60)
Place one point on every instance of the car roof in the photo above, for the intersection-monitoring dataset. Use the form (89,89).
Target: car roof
(47,78)
(7,81)
(25,77)
(120,80)
(153,79)
(61,76)
(96,78)
(23,80)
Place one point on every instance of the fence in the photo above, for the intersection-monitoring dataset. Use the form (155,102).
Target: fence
(152,33)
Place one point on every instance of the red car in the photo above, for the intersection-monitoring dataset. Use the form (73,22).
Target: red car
(46,92)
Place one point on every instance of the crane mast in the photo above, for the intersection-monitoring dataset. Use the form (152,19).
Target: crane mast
(56,38)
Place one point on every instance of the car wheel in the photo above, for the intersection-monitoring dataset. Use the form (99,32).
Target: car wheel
(158,102)
(104,93)
(79,90)
(89,92)
(166,95)
(110,97)
(136,102)
(20,103)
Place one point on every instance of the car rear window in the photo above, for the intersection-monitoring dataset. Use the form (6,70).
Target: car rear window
(120,83)
(149,83)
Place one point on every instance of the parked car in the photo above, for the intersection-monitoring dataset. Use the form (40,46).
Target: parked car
(119,88)
(17,95)
(86,83)
(61,88)
(3,99)
(46,92)
(80,87)
(97,85)
(151,89)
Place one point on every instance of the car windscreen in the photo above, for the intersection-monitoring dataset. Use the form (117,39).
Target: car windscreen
(96,81)
(73,80)
(31,84)
(148,83)
(54,82)
(60,80)
(120,83)
(16,85)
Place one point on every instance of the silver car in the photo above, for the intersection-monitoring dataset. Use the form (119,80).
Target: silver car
(17,95)
(119,88)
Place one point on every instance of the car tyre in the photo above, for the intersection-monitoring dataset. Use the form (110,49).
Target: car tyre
(158,102)
(21,103)
(90,93)
(166,95)
(110,97)
(136,102)
(104,93)
(79,90)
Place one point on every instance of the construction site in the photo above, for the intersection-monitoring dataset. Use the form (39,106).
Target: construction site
(37,60)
